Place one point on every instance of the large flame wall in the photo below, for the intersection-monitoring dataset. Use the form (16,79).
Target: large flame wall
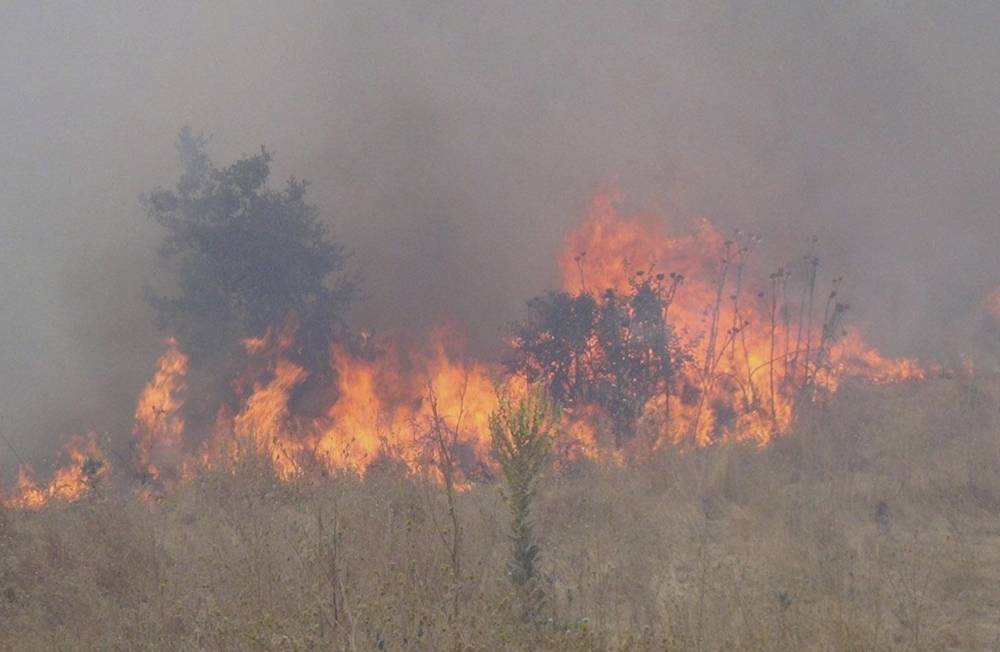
(749,363)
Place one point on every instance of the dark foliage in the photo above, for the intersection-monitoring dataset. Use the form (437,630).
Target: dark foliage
(245,257)
(616,351)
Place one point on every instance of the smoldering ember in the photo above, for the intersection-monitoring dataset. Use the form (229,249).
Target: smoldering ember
(592,328)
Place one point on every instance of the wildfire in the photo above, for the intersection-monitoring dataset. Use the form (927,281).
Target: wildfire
(756,351)
(607,249)
(852,356)
(387,408)
(159,424)
(752,353)
(85,466)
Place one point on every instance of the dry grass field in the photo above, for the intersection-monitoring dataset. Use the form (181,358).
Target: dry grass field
(874,526)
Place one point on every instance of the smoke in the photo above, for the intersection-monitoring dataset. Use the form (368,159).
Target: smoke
(453,146)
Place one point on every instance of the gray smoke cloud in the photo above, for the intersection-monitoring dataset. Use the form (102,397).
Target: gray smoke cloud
(452,146)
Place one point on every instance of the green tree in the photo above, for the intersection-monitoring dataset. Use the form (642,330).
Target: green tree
(244,257)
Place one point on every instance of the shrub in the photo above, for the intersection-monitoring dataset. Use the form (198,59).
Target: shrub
(521,435)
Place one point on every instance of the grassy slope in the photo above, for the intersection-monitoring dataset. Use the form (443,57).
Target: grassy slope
(876,526)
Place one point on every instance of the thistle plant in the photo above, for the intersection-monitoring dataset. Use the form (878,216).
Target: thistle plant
(521,436)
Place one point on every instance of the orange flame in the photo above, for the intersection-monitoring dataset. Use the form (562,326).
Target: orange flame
(85,467)
(745,382)
(852,356)
(159,426)
(383,410)
(263,426)
(754,353)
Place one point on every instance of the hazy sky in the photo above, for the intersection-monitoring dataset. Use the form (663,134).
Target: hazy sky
(452,144)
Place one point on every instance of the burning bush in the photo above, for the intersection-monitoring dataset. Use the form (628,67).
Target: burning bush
(697,350)
(615,351)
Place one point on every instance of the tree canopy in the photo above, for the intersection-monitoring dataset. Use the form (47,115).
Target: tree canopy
(244,257)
